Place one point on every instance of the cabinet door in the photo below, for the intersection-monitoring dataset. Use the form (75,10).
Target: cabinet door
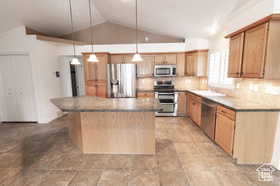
(197,114)
(145,94)
(224,134)
(159,59)
(90,70)
(182,103)
(200,64)
(235,55)
(171,59)
(117,59)
(188,105)
(190,65)
(101,90)
(128,59)
(195,111)
(181,64)
(145,68)
(255,52)
(91,90)
(101,68)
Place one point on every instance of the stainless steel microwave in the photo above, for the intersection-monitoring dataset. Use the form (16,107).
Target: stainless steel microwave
(164,70)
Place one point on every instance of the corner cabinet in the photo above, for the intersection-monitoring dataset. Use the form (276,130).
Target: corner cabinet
(254,50)
(196,63)
(96,75)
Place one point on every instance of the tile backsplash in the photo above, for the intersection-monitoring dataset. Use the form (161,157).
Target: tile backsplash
(181,83)
(255,90)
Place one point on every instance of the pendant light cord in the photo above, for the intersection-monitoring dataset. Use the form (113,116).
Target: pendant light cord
(72,27)
(136,21)
(91,24)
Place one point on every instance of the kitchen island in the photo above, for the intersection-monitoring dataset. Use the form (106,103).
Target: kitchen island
(111,126)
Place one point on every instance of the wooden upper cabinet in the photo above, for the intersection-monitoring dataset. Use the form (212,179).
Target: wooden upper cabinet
(255,52)
(190,64)
(145,68)
(171,59)
(181,60)
(166,59)
(117,59)
(235,55)
(196,63)
(260,51)
(101,67)
(96,75)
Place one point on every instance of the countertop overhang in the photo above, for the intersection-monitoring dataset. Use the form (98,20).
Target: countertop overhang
(98,104)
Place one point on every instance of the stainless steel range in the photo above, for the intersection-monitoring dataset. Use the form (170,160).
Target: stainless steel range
(168,98)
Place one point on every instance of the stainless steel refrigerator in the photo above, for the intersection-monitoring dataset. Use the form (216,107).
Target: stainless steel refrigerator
(121,80)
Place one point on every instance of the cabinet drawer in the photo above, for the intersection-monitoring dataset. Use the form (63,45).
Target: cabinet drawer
(226,112)
(196,98)
(145,94)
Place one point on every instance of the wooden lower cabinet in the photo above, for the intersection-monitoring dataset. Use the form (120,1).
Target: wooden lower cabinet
(145,94)
(91,90)
(224,134)
(101,91)
(182,107)
(194,108)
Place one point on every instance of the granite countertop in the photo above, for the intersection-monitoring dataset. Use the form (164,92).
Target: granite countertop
(238,104)
(97,104)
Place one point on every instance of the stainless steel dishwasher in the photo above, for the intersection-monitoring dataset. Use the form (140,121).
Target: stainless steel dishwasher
(208,120)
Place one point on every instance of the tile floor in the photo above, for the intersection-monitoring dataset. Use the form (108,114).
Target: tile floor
(32,155)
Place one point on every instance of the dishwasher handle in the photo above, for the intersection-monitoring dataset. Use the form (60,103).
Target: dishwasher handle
(209,104)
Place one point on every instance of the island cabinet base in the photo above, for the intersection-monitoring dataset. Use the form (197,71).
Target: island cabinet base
(113,132)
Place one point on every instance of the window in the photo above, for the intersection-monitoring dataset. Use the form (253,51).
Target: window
(218,69)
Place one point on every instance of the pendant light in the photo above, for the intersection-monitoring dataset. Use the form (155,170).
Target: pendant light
(92,57)
(74,60)
(137,57)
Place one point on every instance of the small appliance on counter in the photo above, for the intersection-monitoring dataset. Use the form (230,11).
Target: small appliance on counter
(165,70)
(168,98)
(121,80)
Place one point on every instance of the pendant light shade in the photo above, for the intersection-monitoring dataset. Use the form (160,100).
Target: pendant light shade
(75,61)
(93,58)
(137,57)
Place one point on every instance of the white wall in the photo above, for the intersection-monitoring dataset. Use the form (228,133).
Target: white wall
(276,7)
(44,62)
(196,44)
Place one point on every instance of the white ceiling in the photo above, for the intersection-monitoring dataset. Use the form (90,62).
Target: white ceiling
(49,16)
(181,18)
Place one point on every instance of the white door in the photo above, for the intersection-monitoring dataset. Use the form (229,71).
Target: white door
(8,98)
(18,97)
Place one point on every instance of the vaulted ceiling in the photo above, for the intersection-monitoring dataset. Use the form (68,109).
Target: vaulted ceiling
(180,18)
